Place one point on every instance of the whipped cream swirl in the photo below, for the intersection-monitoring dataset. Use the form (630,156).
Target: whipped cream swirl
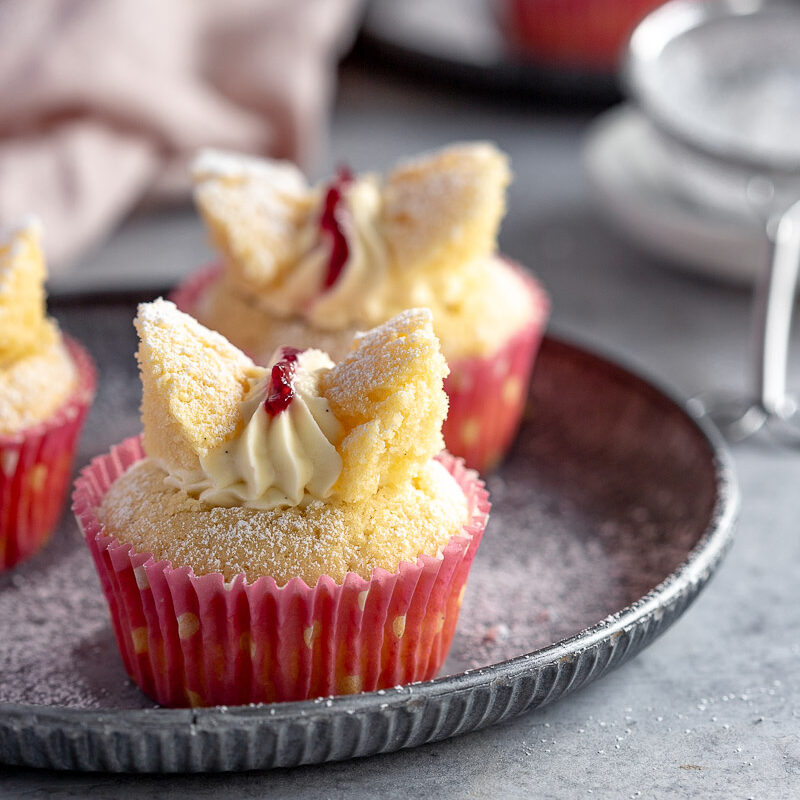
(279,459)
(360,293)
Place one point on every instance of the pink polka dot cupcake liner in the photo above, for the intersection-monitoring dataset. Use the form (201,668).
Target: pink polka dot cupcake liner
(487,393)
(189,640)
(36,467)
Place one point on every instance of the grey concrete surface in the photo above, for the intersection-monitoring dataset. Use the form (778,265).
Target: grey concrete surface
(711,710)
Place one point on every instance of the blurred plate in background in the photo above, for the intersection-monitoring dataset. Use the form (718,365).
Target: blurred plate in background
(463,42)
(644,189)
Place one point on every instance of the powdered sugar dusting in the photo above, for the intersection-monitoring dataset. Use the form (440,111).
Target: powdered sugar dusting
(374,363)
(193,381)
(32,388)
(161,319)
(56,645)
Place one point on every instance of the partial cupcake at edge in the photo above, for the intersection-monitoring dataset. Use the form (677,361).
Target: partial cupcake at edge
(47,383)
(282,532)
(307,266)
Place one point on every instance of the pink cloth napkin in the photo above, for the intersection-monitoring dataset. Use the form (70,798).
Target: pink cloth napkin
(104,102)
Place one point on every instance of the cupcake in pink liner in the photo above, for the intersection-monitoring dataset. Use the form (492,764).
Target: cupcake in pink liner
(583,34)
(285,532)
(488,395)
(47,383)
(308,266)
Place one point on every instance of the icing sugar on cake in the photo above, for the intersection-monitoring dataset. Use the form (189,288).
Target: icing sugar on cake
(388,393)
(443,209)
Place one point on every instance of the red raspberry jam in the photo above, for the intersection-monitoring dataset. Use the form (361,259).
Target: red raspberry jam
(281,389)
(329,225)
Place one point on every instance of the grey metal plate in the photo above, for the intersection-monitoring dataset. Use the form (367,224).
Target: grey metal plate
(611,513)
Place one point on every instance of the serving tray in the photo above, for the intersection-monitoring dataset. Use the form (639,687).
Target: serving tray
(610,514)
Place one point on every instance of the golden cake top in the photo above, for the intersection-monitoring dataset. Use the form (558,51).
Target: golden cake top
(232,433)
(329,537)
(357,249)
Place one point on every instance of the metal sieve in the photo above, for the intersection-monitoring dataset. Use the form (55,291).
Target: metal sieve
(720,79)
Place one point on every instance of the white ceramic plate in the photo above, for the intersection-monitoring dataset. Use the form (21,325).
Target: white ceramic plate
(647,192)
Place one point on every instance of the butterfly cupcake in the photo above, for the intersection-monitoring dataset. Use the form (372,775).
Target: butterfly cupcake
(282,532)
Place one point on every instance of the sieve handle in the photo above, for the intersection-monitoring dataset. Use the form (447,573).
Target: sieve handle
(773,307)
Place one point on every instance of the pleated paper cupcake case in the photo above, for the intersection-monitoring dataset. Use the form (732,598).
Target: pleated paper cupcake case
(36,466)
(197,640)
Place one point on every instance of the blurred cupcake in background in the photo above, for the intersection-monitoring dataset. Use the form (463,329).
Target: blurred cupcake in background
(585,35)
(47,383)
(308,266)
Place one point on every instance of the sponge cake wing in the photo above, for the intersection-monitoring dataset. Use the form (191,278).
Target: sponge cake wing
(193,382)
(388,395)
(253,209)
(444,209)
(23,321)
